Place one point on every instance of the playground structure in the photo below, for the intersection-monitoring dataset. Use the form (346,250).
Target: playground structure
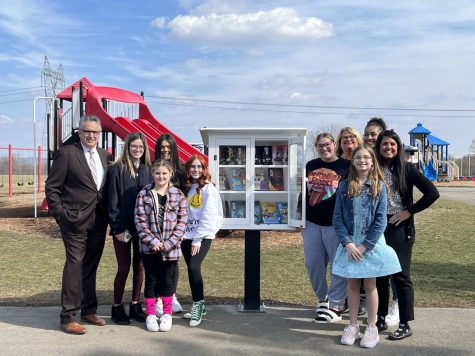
(433,155)
(120,112)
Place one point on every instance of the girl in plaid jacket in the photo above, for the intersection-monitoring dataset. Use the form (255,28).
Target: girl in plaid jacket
(160,219)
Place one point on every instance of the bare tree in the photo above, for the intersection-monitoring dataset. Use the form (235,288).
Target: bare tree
(471,149)
(331,127)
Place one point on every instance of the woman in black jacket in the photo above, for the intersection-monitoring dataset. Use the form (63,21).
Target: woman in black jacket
(401,177)
(126,178)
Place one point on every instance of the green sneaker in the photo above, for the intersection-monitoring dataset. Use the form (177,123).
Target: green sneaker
(189,314)
(197,313)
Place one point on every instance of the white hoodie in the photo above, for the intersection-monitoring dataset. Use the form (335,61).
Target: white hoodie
(205,214)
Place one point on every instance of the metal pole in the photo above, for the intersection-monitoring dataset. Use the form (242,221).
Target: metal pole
(34,145)
(10,170)
(39,169)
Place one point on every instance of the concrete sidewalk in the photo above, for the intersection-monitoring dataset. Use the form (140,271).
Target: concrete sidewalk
(225,331)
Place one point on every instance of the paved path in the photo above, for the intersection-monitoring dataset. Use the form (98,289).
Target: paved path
(462,194)
(279,331)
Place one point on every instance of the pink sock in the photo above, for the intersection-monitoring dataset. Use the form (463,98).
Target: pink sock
(167,304)
(150,305)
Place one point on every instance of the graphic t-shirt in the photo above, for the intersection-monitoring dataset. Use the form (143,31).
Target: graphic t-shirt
(323,179)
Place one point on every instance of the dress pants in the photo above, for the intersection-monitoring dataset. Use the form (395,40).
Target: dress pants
(83,254)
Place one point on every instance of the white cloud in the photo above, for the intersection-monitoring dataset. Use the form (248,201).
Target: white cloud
(4,119)
(279,25)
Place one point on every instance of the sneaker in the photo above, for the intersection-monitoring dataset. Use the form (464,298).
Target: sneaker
(402,332)
(119,316)
(322,307)
(136,312)
(350,334)
(188,315)
(381,324)
(196,313)
(328,316)
(370,338)
(152,323)
(361,310)
(393,316)
(159,307)
(176,306)
(166,322)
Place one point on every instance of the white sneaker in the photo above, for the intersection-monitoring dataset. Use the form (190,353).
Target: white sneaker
(370,338)
(166,322)
(350,334)
(393,316)
(176,306)
(152,323)
(159,307)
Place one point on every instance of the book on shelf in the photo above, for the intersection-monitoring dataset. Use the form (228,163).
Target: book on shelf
(257,213)
(282,213)
(232,155)
(269,213)
(276,179)
(226,211)
(261,179)
(279,154)
(238,179)
(238,209)
(263,155)
(223,182)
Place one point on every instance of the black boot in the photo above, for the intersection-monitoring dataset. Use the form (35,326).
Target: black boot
(136,312)
(119,316)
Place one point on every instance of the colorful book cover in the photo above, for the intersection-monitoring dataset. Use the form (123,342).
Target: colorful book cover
(276,179)
(269,213)
(279,154)
(257,213)
(238,209)
(261,180)
(238,179)
(282,213)
(239,154)
(223,182)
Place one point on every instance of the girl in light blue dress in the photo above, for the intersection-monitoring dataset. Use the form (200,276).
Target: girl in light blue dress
(360,220)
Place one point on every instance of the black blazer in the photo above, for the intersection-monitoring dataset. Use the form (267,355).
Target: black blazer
(71,192)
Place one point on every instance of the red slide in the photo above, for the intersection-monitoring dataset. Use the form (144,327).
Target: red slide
(121,126)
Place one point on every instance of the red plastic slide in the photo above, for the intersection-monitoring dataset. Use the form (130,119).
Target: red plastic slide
(121,126)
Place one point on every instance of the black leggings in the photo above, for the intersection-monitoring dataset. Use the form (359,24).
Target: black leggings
(194,266)
(397,238)
(159,276)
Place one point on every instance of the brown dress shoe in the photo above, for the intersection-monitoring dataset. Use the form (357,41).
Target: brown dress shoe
(73,328)
(93,319)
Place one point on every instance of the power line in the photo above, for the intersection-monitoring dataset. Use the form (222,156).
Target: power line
(10,90)
(24,92)
(14,101)
(300,112)
(305,106)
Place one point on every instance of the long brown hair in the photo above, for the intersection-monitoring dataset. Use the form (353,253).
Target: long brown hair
(126,160)
(205,177)
(375,175)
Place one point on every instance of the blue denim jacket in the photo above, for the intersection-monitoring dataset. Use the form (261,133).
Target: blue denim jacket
(373,221)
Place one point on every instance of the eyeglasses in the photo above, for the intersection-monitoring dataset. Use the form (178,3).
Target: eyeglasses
(321,146)
(364,158)
(348,137)
(137,147)
(90,132)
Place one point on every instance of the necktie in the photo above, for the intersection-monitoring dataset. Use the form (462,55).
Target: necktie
(92,166)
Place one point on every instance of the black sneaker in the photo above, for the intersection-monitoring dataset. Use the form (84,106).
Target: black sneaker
(361,310)
(136,312)
(402,332)
(119,316)
(381,324)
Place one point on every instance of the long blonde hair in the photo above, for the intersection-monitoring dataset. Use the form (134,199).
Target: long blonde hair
(375,175)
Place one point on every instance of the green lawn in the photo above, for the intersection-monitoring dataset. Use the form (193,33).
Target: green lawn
(443,268)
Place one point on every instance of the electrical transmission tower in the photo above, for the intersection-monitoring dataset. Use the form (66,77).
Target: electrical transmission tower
(52,80)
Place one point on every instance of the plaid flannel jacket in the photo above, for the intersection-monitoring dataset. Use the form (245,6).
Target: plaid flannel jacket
(174,222)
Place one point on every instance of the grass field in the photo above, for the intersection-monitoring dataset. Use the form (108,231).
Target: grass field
(443,268)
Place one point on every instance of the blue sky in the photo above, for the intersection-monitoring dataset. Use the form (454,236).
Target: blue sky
(339,54)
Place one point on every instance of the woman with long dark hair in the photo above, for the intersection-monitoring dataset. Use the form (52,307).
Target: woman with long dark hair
(401,177)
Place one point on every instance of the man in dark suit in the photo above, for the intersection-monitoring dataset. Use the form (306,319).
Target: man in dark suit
(75,194)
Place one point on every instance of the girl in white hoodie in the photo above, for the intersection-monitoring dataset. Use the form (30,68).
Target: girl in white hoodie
(205,214)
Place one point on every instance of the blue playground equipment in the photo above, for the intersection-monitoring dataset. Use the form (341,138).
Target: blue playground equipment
(433,154)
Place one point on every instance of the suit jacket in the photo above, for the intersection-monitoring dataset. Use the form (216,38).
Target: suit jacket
(71,192)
